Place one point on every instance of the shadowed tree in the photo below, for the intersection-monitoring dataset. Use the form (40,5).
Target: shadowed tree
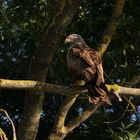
(37,34)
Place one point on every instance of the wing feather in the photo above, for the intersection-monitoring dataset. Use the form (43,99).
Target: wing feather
(92,58)
(84,53)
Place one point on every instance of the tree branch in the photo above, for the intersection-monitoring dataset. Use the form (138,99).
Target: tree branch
(10,120)
(62,112)
(86,114)
(111,27)
(2,135)
(59,125)
(59,89)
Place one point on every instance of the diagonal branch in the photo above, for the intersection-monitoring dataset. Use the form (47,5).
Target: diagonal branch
(111,27)
(85,115)
(59,125)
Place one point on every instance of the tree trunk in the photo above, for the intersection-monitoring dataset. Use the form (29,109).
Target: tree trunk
(28,126)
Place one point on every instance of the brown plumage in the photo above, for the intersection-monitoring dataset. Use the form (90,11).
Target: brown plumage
(86,64)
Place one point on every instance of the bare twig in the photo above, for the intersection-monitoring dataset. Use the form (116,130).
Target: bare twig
(10,120)
(2,135)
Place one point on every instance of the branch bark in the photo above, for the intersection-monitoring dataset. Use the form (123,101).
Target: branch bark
(59,130)
(60,89)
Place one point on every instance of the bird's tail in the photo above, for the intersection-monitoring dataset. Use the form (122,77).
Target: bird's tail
(97,93)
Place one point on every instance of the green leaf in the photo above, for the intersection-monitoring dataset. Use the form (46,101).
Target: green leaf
(128,126)
(132,47)
(124,52)
(123,66)
(2,36)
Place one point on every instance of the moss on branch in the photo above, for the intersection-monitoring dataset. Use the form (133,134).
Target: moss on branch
(60,89)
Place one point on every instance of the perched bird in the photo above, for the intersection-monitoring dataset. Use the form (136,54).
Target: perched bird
(85,64)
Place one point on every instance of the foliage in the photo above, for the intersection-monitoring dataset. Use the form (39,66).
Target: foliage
(124,133)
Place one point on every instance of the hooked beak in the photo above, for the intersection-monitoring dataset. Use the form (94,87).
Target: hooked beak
(67,40)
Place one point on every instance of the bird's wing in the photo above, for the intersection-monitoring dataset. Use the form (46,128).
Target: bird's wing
(100,78)
(83,53)
(92,58)
(98,63)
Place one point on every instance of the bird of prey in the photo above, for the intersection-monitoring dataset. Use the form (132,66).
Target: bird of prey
(86,64)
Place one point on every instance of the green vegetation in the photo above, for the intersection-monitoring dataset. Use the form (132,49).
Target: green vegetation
(124,133)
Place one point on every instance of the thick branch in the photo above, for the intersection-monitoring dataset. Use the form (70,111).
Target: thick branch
(111,27)
(59,89)
(62,112)
(129,91)
(59,125)
(65,10)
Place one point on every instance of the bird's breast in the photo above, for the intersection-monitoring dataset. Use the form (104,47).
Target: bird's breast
(74,64)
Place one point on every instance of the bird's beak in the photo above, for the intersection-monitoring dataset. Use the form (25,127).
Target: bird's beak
(66,41)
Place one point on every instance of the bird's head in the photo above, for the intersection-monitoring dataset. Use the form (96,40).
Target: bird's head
(73,38)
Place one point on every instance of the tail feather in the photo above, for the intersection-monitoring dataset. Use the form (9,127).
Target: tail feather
(97,93)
